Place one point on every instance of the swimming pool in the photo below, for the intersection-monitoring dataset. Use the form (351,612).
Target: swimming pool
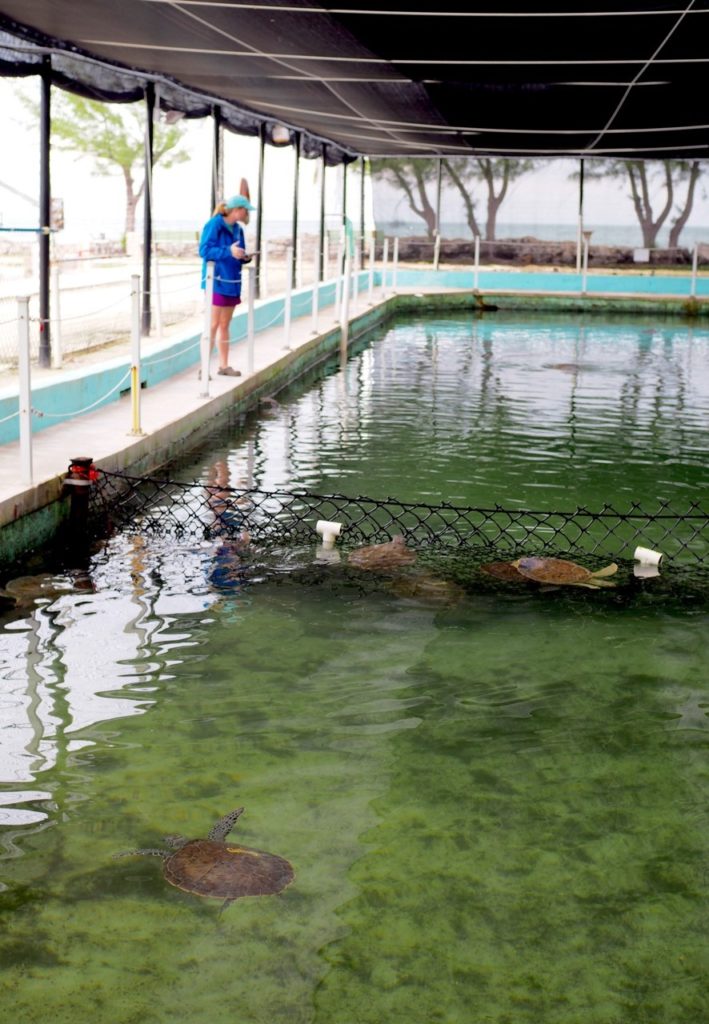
(495,804)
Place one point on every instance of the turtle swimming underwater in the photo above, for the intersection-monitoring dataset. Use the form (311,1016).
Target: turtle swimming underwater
(562,573)
(382,557)
(506,571)
(213,867)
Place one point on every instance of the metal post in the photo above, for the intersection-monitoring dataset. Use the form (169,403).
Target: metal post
(322,263)
(355,279)
(135,354)
(250,317)
(156,292)
(288,299)
(361,245)
(316,291)
(326,257)
(370,295)
(294,232)
(299,263)
(436,251)
(586,241)
(579,236)
(439,184)
(385,260)
(476,270)
(148,204)
(395,265)
(260,265)
(57,319)
(25,396)
(217,172)
(338,277)
(344,194)
(262,273)
(695,263)
(45,127)
(345,314)
(206,341)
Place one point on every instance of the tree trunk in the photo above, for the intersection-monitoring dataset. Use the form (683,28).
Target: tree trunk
(494,201)
(681,220)
(132,199)
(469,205)
(425,211)
(640,194)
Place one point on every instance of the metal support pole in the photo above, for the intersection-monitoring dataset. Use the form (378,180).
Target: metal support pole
(45,127)
(316,292)
(260,265)
(57,319)
(135,354)
(148,204)
(217,169)
(294,232)
(361,246)
(695,264)
(370,293)
(579,236)
(344,194)
(476,269)
(206,340)
(338,277)
(385,260)
(326,257)
(322,263)
(262,273)
(436,251)
(439,184)
(299,263)
(345,314)
(584,275)
(288,299)
(395,265)
(25,396)
(251,316)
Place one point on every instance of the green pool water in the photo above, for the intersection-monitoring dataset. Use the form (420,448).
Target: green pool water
(495,806)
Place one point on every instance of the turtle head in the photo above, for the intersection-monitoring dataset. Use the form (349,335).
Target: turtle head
(175,840)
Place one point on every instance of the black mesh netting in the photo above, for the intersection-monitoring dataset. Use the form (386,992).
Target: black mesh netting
(281,518)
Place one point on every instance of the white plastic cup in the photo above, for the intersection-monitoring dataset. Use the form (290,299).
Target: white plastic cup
(328,531)
(645,572)
(646,556)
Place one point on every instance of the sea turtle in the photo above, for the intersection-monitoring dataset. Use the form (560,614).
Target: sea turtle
(382,557)
(428,589)
(213,867)
(562,573)
(503,571)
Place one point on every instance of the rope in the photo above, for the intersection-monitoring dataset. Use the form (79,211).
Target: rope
(10,417)
(77,412)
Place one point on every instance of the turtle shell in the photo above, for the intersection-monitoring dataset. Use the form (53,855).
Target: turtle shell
(226,870)
(552,570)
(381,557)
(502,571)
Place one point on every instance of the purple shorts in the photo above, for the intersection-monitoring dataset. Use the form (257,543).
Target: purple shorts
(225,300)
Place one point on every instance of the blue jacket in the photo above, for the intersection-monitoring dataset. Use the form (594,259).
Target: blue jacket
(215,244)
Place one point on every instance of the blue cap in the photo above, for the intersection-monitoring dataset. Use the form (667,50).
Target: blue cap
(236,201)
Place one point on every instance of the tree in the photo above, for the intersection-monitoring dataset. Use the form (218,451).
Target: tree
(496,174)
(654,182)
(411,175)
(113,136)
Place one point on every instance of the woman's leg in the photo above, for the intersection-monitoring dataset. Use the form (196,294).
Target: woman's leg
(225,313)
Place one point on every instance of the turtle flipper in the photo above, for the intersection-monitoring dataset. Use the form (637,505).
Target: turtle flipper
(143,853)
(608,570)
(224,826)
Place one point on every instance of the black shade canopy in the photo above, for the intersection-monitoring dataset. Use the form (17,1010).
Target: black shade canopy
(581,79)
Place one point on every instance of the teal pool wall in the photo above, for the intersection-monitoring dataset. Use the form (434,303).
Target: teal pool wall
(513,280)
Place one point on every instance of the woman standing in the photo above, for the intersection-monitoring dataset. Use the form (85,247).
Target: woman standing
(223,243)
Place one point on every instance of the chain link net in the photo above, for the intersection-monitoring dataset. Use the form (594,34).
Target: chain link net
(173,508)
